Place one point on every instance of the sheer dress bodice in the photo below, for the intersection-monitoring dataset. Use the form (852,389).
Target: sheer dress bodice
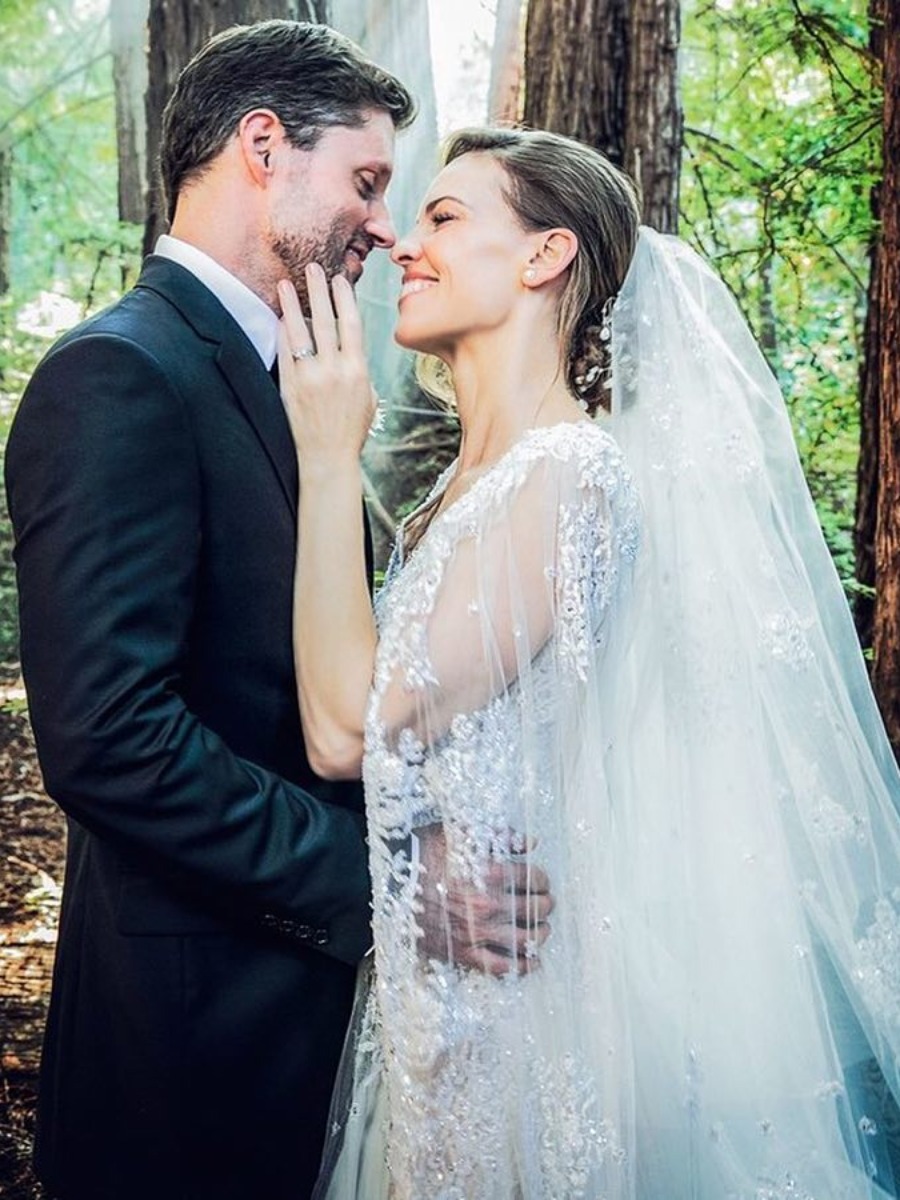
(485,1080)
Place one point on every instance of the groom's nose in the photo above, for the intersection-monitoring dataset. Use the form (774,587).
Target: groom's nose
(380,227)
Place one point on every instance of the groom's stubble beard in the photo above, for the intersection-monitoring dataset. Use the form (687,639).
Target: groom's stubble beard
(327,247)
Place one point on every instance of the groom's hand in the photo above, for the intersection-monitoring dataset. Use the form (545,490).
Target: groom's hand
(497,928)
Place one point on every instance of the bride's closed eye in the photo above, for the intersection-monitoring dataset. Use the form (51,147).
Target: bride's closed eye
(440,218)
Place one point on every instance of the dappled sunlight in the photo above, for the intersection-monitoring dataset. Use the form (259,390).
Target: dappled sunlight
(48,315)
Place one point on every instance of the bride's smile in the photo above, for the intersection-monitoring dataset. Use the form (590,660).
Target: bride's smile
(464,260)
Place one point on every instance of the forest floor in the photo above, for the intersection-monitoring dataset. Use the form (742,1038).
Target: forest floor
(32,837)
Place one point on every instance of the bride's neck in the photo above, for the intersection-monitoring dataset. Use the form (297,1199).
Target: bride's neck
(503,390)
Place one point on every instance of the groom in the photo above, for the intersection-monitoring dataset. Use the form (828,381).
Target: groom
(216,898)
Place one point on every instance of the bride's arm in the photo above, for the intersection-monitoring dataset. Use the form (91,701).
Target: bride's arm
(334,629)
(492,613)
(330,407)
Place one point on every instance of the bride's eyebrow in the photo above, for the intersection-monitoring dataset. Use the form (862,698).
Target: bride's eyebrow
(432,204)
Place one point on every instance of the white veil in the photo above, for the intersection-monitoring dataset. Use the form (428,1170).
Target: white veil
(756,792)
(673,713)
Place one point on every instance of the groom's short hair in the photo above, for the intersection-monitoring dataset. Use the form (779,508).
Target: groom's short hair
(310,76)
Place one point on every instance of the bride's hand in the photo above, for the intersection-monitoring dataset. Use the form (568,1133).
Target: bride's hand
(324,378)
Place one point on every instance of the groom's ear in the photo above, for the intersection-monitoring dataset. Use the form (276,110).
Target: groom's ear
(260,134)
(554,251)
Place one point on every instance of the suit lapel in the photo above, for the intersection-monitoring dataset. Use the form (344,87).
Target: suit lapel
(257,396)
(236,358)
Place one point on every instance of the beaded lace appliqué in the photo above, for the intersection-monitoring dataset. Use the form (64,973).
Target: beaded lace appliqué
(878,958)
(451,1039)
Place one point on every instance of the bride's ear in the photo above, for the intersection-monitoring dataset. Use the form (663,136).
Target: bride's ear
(553,254)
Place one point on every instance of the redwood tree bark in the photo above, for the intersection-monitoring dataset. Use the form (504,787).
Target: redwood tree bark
(869,388)
(127,26)
(5,214)
(653,117)
(505,92)
(869,436)
(605,71)
(886,668)
(576,71)
(177,30)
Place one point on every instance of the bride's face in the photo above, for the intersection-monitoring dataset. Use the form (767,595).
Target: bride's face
(463,261)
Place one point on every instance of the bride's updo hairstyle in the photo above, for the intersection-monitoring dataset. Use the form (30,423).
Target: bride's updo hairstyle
(556,181)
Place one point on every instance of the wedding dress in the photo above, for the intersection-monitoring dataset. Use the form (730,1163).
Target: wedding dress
(624,655)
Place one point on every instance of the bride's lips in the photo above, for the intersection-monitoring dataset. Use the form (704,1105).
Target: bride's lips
(413,284)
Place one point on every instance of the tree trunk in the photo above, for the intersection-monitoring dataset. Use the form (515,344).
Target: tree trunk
(577,55)
(605,71)
(128,21)
(653,127)
(505,91)
(886,667)
(768,325)
(869,436)
(869,388)
(176,33)
(5,215)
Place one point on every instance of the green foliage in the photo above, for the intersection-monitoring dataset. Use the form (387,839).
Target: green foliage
(57,124)
(68,255)
(9,620)
(781,149)
(782,145)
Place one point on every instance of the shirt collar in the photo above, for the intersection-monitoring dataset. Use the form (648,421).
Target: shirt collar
(254,316)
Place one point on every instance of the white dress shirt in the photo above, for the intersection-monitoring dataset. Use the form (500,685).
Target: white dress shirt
(254,316)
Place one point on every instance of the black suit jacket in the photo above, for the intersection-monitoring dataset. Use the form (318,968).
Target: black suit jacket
(216,897)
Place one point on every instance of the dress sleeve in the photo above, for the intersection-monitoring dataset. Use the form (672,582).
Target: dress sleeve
(524,564)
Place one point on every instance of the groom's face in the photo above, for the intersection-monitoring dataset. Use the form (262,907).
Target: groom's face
(330,207)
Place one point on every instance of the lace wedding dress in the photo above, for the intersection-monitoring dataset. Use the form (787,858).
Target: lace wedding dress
(628,660)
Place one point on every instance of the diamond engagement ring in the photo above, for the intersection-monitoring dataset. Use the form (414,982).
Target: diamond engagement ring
(306,352)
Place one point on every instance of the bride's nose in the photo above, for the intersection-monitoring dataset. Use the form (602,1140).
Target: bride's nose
(405,250)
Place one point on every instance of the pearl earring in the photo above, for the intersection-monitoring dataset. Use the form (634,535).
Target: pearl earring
(529,274)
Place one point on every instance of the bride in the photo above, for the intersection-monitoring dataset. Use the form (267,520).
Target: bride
(610,646)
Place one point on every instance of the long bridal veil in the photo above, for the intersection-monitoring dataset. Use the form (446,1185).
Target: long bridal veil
(755,793)
(667,710)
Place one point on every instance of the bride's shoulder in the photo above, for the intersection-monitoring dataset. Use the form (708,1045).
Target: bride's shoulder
(582,449)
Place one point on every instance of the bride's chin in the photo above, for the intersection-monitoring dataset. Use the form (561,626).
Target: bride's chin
(409,341)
